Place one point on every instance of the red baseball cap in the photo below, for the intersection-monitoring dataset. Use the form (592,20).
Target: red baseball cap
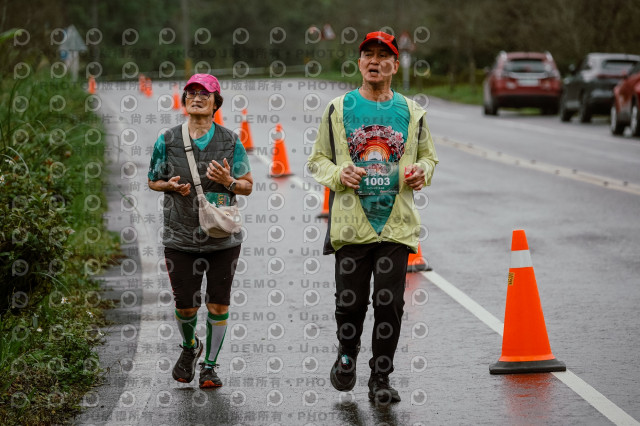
(208,81)
(382,38)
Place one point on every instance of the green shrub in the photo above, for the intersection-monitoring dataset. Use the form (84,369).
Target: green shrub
(46,357)
(52,239)
(44,150)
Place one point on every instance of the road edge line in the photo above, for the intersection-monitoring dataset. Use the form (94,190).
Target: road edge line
(587,392)
(550,169)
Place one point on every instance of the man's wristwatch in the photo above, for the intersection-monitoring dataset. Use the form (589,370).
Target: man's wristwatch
(232,186)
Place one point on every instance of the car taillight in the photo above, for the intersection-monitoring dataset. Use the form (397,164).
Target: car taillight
(550,83)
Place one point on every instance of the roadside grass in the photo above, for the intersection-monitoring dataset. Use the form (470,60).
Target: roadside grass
(461,93)
(46,358)
(431,86)
(53,240)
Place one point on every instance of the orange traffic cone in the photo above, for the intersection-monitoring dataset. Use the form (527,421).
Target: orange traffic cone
(280,163)
(245,133)
(92,85)
(148,89)
(217,117)
(417,262)
(525,344)
(142,81)
(176,97)
(325,205)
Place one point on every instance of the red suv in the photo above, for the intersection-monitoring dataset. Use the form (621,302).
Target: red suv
(522,79)
(625,110)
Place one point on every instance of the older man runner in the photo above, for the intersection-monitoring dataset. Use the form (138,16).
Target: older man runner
(373,151)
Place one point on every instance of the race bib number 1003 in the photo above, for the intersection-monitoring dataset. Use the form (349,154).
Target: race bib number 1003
(381,178)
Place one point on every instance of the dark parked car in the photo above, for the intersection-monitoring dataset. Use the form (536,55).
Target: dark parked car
(589,89)
(522,79)
(625,110)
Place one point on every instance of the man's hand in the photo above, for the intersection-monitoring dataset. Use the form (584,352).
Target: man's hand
(182,189)
(414,177)
(351,176)
(220,173)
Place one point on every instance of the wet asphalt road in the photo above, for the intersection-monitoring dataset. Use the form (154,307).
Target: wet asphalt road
(281,338)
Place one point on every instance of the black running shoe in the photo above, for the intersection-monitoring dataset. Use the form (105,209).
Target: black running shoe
(185,369)
(380,391)
(208,376)
(343,372)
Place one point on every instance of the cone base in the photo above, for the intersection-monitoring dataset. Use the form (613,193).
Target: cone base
(418,268)
(280,175)
(546,366)
(323,215)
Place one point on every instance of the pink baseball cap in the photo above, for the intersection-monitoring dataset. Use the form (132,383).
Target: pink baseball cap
(208,81)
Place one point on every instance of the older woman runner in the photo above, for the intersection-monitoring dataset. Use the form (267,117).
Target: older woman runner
(189,252)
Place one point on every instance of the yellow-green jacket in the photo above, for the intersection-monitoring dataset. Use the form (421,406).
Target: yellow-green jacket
(348,223)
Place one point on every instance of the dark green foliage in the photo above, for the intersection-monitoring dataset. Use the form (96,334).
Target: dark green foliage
(43,155)
(50,244)
(464,34)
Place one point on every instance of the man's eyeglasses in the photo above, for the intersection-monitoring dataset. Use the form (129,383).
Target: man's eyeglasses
(191,94)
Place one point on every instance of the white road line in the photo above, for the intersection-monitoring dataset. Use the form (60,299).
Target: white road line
(264,159)
(582,388)
(507,123)
(294,179)
(565,172)
(596,399)
(555,131)
(471,305)
(600,402)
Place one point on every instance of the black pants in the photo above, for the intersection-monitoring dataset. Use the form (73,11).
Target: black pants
(186,271)
(354,266)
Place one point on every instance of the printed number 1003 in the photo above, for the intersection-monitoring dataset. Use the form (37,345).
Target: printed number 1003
(376,180)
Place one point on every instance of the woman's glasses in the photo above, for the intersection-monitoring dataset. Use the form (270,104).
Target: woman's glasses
(191,94)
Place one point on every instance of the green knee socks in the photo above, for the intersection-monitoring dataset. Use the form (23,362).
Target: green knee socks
(187,327)
(216,329)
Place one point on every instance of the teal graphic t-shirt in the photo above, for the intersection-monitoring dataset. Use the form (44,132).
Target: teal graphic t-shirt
(240,167)
(376,134)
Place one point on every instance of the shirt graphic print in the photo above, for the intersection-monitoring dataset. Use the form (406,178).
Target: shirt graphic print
(377,149)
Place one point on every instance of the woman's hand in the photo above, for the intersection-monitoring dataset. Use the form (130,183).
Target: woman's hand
(220,173)
(171,185)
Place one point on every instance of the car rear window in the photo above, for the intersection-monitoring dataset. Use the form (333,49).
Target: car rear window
(618,66)
(525,65)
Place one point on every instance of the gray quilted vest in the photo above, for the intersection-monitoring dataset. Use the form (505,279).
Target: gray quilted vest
(181,225)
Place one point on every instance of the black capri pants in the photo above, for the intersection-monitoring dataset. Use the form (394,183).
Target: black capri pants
(187,269)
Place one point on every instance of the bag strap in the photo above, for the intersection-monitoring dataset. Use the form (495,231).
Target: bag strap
(188,148)
(331,141)
(327,248)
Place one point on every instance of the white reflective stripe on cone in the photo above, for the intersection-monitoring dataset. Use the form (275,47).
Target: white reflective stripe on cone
(521,259)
